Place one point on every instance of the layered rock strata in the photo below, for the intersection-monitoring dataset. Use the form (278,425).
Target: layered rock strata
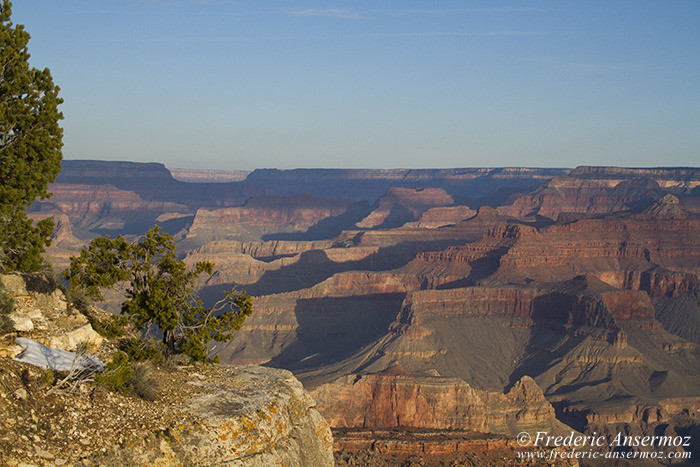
(263,215)
(397,398)
(401,205)
(371,184)
(571,194)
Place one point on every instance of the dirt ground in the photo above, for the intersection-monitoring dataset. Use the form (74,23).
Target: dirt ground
(73,426)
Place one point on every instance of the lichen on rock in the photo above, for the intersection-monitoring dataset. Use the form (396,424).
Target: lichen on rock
(241,416)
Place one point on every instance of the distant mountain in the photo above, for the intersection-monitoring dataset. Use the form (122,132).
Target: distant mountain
(370,184)
(208,175)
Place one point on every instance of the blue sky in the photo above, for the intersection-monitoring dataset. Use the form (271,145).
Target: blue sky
(378,84)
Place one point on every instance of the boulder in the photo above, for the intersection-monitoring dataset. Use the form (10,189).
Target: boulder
(21,323)
(71,339)
(244,416)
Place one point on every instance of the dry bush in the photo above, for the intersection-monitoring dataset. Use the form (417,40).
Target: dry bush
(81,371)
(143,382)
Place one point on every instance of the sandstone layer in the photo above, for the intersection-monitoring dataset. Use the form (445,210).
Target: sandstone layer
(396,398)
(105,207)
(208,176)
(401,205)
(263,215)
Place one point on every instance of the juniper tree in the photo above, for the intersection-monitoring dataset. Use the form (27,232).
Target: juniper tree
(160,290)
(30,146)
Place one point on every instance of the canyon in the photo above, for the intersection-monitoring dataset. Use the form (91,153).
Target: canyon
(490,300)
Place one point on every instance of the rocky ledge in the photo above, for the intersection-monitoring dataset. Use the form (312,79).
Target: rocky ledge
(200,415)
(204,416)
(244,416)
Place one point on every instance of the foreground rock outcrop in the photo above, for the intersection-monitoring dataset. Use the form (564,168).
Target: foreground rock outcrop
(241,416)
(238,416)
(42,312)
(198,415)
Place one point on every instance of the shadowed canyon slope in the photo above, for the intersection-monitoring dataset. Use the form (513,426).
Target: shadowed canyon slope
(507,298)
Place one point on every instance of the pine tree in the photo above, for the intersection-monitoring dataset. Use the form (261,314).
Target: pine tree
(30,147)
(160,291)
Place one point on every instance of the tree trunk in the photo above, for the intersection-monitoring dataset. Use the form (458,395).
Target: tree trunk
(169,341)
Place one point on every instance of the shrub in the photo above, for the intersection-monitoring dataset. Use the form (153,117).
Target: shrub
(111,327)
(7,306)
(6,325)
(48,378)
(140,350)
(122,375)
(143,383)
(161,291)
(7,302)
(78,301)
(117,372)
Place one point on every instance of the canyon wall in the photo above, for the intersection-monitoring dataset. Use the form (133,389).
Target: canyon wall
(396,398)
(371,184)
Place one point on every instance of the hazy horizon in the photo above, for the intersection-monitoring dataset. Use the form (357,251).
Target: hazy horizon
(241,85)
(203,168)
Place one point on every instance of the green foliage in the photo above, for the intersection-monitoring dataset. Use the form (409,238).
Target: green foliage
(7,306)
(122,375)
(79,301)
(202,325)
(140,350)
(48,378)
(116,373)
(6,325)
(7,302)
(21,243)
(102,264)
(30,147)
(160,292)
(111,327)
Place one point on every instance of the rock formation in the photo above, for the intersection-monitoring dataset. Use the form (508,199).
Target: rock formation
(263,215)
(370,184)
(401,205)
(600,190)
(104,207)
(243,415)
(678,180)
(396,398)
(208,176)
(210,415)
(434,218)
(574,195)
(154,182)
(42,309)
